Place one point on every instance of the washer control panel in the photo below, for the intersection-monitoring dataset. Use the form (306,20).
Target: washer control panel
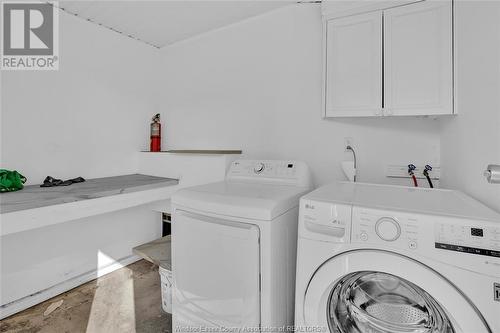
(472,239)
(388,229)
(424,233)
(371,226)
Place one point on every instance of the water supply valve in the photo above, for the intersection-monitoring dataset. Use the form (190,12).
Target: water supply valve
(411,172)
(426,171)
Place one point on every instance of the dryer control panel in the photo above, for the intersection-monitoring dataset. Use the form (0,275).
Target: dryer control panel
(270,171)
(473,239)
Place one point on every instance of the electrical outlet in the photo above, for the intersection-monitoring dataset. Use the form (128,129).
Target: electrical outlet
(401,171)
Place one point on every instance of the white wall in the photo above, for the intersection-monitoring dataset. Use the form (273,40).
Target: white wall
(253,85)
(88,118)
(189,169)
(256,85)
(41,263)
(471,140)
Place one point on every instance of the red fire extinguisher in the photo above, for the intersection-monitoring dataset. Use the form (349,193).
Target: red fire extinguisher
(155,134)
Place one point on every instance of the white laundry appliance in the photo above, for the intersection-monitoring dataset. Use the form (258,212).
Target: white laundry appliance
(234,247)
(375,258)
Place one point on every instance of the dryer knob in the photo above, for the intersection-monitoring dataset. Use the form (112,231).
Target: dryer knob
(259,167)
(388,229)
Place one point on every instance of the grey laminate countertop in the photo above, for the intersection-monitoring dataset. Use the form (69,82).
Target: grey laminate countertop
(34,196)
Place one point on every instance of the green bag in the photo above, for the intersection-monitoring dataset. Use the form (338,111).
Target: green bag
(11,181)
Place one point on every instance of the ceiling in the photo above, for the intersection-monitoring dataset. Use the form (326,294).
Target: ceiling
(161,23)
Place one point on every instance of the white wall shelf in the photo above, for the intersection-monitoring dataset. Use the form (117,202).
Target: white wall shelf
(197,151)
(157,252)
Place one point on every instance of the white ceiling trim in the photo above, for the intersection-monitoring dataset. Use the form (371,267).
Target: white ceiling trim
(162,23)
(105,26)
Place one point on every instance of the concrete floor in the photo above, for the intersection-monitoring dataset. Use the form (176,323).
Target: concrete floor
(125,301)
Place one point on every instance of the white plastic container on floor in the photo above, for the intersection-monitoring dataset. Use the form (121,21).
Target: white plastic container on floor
(166,289)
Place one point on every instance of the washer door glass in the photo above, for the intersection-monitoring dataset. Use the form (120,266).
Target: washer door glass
(378,302)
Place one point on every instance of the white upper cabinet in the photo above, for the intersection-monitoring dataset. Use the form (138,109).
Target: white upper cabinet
(418,67)
(354,66)
(395,61)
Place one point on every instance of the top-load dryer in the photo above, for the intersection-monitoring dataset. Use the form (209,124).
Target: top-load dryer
(234,248)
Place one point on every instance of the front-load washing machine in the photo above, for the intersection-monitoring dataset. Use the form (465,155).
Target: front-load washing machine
(234,249)
(375,258)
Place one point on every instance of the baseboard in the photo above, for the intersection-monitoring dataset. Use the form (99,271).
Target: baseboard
(21,304)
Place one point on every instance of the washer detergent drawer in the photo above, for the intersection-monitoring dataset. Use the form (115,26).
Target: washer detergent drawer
(216,271)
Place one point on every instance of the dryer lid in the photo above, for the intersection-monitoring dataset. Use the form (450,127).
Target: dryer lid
(240,199)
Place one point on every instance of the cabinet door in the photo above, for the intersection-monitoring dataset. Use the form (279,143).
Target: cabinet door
(418,67)
(353,61)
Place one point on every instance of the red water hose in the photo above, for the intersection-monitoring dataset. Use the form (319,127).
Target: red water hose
(411,169)
(414,180)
